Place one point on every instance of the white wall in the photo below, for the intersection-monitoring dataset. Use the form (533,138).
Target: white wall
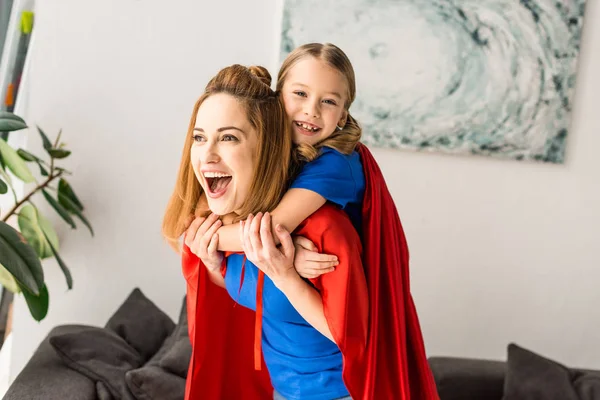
(501,251)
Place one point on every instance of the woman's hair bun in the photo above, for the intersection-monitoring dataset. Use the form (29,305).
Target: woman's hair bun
(261,73)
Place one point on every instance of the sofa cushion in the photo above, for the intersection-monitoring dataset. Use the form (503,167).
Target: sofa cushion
(46,376)
(468,378)
(530,376)
(141,323)
(102,392)
(176,358)
(99,354)
(154,383)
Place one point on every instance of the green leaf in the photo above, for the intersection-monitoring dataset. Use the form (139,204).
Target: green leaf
(27,156)
(59,209)
(10,122)
(3,187)
(59,153)
(20,259)
(46,142)
(36,230)
(6,177)
(38,304)
(74,208)
(43,171)
(9,115)
(67,172)
(58,138)
(62,265)
(2,163)
(8,281)
(15,163)
(65,190)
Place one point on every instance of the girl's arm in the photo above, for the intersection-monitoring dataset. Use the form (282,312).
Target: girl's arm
(295,206)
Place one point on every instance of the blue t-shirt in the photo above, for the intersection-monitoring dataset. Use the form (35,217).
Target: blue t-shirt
(337,177)
(302,363)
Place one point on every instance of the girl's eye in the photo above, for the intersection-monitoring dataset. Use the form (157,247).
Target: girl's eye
(198,138)
(332,102)
(229,138)
(300,93)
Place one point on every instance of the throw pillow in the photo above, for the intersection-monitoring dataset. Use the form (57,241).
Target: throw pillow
(154,383)
(99,354)
(141,323)
(530,376)
(587,385)
(177,357)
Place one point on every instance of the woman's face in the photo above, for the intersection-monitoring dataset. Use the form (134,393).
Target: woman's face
(314,95)
(223,152)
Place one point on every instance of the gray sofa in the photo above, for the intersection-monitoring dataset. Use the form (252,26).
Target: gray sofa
(524,376)
(140,354)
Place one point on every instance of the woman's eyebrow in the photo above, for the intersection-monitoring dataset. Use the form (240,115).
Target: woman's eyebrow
(225,128)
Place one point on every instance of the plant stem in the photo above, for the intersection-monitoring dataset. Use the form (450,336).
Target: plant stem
(26,198)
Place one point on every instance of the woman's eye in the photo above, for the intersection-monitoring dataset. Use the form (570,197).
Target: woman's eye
(198,138)
(300,93)
(332,102)
(229,138)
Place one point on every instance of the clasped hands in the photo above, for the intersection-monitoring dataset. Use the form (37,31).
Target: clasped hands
(297,256)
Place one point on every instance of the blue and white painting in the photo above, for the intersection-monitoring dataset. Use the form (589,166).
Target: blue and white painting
(487,77)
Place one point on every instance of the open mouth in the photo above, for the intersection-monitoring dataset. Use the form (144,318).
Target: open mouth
(306,128)
(217,183)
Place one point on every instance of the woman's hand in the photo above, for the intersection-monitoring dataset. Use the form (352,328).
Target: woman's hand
(308,262)
(202,239)
(258,244)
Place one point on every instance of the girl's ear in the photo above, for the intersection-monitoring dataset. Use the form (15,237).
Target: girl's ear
(343,119)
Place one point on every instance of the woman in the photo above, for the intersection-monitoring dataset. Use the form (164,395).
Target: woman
(240,158)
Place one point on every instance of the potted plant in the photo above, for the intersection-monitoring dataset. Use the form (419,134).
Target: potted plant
(30,237)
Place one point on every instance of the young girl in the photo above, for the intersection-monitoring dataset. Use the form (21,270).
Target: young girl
(318,86)
(316,82)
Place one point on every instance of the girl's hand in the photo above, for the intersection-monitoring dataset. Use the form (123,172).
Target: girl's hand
(202,239)
(308,262)
(259,246)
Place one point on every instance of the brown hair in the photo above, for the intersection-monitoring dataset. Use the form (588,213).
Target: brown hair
(346,139)
(266,113)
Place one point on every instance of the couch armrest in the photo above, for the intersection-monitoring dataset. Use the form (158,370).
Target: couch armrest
(468,379)
(46,377)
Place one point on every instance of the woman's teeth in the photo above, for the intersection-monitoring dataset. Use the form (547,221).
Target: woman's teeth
(308,128)
(215,175)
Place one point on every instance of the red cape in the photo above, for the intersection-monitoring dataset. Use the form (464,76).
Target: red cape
(378,333)
(396,360)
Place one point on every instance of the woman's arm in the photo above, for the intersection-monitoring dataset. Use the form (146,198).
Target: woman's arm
(216,277)
(202,239)
(295,206)
(278,265)
(307,301)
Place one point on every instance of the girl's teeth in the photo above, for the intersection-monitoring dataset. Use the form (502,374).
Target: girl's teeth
(308,128)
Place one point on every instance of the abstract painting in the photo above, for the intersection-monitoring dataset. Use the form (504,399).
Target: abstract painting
(486,77)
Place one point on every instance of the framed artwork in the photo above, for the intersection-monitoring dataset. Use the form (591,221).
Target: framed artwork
(484,77)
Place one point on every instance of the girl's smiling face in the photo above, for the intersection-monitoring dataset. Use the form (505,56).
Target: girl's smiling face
(315,96)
